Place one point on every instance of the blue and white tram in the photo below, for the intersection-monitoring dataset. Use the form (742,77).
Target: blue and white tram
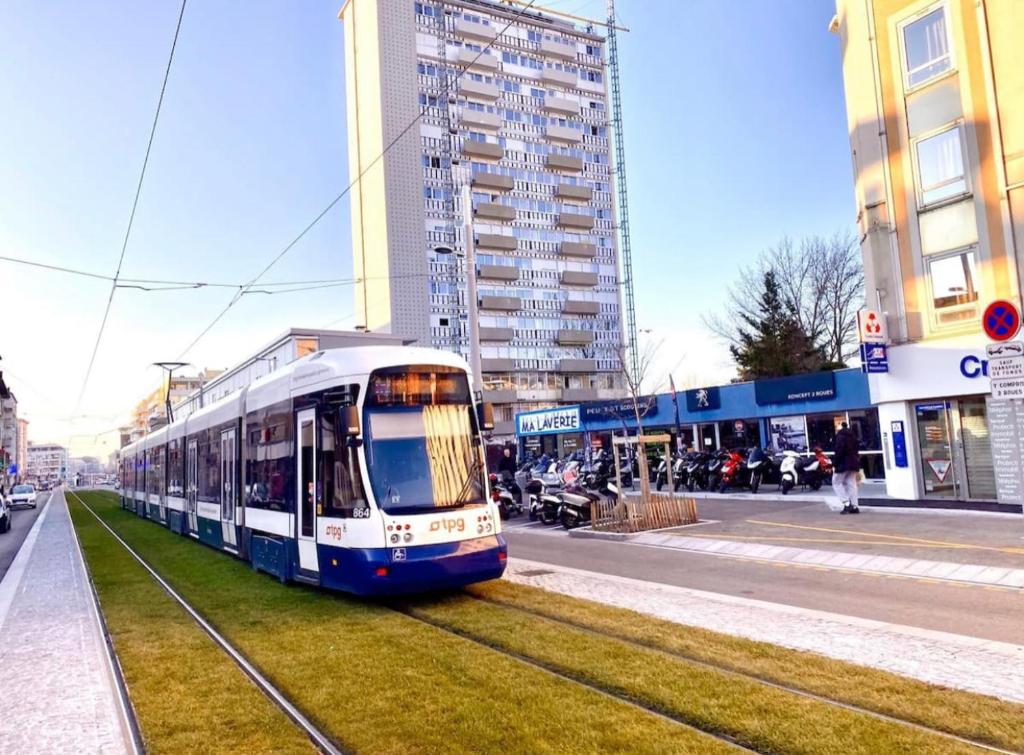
(356,469)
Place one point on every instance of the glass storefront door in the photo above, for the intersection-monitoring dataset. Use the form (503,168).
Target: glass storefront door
(956,452)
(934,433)
(708,439)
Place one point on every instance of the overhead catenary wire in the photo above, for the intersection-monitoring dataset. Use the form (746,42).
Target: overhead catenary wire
(333,203)
(135,205)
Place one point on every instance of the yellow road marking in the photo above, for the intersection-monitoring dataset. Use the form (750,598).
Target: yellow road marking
(730,536)
(944,543)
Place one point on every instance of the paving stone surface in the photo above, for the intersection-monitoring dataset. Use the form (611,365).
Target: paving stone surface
(59,692)
(969,663)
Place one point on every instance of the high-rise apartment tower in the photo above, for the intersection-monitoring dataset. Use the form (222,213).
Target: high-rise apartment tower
(510,103)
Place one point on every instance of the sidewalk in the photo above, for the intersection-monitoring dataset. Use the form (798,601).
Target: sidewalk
(969,663)
(58,685)
(986,549)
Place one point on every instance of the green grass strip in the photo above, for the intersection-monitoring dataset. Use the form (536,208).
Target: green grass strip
(986,719)
(381,682)
(764,718)
(187,694)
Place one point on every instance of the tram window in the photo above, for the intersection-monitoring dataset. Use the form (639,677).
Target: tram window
(209,467)
(339,472)
(174,468)
(270,471)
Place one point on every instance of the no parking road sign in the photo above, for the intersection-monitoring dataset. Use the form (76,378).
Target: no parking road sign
(1001,320)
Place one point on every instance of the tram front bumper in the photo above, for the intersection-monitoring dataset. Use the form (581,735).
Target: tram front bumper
(387,571)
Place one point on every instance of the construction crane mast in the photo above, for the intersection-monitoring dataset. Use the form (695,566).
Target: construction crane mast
(622,196)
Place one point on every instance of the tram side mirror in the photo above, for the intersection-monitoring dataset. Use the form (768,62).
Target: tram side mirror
(485,416)
(350,421)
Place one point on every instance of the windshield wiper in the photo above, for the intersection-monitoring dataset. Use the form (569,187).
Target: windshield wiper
(473,470)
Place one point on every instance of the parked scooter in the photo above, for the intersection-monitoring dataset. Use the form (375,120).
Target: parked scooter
(503,493)
(760,466)
(661,472)
(679,466)
(577,504)
(734,471)
(697,472)
(810,471)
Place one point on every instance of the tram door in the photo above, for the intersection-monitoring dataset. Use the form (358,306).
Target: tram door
(305,521)
(192,484)
(228,492)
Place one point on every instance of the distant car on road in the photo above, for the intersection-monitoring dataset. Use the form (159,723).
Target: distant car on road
(23,495)
(5,515)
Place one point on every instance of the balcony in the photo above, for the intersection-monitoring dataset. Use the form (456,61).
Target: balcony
(497,364)
(495,211)
(559,78)
(577,395)
(579,278)
(478,119)
(475,30)
(563,105)
(482,150)
(499,272)
(563,134)
(508,427)
(577,307)
(472,59)
(575,337)
(503,335)
(501,396)
(575,193)
(503,303)
(563,50)
(578,249)
(566,163)
(577,365)
(479,90)
(497,242)
(575,221)
(493,181)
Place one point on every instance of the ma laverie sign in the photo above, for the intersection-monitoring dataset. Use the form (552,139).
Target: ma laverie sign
(564,419)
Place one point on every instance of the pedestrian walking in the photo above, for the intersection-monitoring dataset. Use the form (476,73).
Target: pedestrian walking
(846,469)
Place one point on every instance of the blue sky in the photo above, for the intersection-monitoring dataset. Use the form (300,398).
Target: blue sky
(735,135)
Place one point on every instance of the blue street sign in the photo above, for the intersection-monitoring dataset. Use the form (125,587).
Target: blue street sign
(874,358)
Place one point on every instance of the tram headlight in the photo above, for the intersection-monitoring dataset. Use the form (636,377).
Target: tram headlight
(394,538)
(407,537)
(479,529)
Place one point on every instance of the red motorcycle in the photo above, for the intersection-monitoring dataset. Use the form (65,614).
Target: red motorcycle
(735,473)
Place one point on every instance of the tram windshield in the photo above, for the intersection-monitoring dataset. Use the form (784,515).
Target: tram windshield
(422,443)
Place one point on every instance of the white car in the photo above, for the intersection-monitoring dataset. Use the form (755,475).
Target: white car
(22,495)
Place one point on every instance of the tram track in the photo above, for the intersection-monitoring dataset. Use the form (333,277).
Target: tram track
(319,739)
(732,672)
(559,674)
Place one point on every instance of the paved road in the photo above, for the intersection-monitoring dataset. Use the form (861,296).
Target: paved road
(968,610)
(21,522)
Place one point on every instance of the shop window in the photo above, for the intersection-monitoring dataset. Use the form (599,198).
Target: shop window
(864,423)
(739,433)
(822,429)
(788,433)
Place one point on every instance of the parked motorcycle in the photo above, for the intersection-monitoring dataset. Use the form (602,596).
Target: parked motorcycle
(809,471)
(734,471)
(504,494)
(697,471)
(760,466)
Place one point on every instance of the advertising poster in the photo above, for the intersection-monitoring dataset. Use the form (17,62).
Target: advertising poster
(789,433)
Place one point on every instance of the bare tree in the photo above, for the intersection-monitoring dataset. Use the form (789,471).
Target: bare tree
(821,279)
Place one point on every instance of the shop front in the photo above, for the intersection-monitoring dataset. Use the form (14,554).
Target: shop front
(796,413)
(935,409)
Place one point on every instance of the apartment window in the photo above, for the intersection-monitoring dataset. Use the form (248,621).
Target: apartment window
(926,47)
(940,167)
(954,280)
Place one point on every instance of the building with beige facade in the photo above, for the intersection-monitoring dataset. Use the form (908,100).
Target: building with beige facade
(512,104)
(935,105)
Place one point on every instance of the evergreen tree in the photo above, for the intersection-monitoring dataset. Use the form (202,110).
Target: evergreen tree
(771,340)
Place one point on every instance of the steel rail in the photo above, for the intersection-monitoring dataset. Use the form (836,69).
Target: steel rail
(722,668)
(321,740)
